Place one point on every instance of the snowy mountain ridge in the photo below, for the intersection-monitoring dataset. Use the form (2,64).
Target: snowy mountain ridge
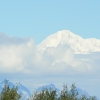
(53,87)
(77,43)
(25,93)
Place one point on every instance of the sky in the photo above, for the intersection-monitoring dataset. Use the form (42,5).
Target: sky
(24,24)
(38,19)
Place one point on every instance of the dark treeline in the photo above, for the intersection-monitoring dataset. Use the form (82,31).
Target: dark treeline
(8,93)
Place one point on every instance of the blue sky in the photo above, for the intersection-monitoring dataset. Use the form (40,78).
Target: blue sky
(38,19)
(20,61)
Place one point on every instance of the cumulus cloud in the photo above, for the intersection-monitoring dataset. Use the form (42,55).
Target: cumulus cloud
(8,40)
(12,53)
(21,60)
(21,55)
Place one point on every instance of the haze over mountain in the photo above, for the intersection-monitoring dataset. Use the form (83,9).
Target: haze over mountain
(77,43)
(58,63)
(25,93)
(81,92)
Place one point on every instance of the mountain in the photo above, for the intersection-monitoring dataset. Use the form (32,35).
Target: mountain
(26,93)
(77,43)
(48,87)
(80,91)
(21,89)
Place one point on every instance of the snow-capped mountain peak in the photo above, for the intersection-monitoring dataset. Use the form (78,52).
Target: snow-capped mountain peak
(25,93)
(77,43)
(52,86)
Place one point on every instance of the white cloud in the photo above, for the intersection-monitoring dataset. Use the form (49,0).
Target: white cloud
(20,60)
(21,55)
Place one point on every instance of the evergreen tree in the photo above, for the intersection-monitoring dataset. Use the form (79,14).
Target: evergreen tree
(50,94)
(8,93)
(45,94)
(64,95)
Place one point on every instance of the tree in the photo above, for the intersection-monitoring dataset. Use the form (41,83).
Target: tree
(68,95)
(65,94)
(74,92)
(8,93)
(45,94)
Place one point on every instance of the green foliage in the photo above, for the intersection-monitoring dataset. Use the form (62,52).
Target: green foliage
(50,94)
(85,98)
(45,94)
(65,95)
(8,93)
